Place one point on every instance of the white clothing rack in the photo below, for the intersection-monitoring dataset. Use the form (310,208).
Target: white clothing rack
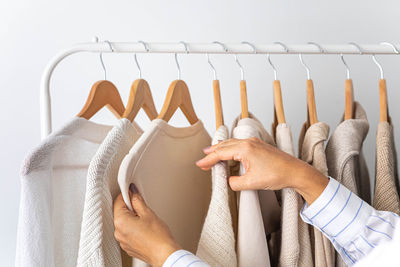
(193,48)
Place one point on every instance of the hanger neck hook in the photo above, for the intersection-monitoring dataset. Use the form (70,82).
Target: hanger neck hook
(96,39)
(209,61)
(305,66)
(321,50)
(392,46)
(270,62)
(379,66)
(237,60)
(176,58)
(360,51)
(272,66)
(212,67)
(377,63)
(346,66)
(136,61)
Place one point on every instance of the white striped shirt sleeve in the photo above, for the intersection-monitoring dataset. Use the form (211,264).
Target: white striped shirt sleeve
(354,227)
(184,258)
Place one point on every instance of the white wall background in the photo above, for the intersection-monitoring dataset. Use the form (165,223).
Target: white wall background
(31,32)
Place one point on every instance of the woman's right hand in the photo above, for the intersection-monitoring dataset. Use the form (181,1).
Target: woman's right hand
(266,168)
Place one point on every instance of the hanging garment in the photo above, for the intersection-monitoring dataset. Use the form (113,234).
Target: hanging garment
(162,166)
(345,158)
(344,154)
(295,247)
(217,240)
(258,211)
(97,246)
(386,196)
(53,186)
(311,150)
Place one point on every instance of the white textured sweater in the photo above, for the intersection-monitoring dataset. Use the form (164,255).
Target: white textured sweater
(97,246)
(217,240)
(53,186)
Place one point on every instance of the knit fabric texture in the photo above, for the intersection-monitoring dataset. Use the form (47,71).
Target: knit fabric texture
(386,196)
(217,240)
(53,181)
(344,154)
(97,246)
(295,246)
(311,150)
(345,159)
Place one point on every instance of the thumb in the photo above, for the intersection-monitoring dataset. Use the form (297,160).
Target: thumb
(239,183)
(137,201)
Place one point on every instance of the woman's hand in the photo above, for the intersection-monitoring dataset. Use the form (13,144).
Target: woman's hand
(266,167)
(142,234)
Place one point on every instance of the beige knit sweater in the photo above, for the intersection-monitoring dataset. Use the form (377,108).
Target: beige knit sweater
(311,149)
(345,159)
(217,240)
(295,249)
(386,196)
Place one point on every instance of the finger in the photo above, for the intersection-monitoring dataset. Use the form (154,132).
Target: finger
(137,201)
(119,206)
(228,152)
(239,183)
(221,144)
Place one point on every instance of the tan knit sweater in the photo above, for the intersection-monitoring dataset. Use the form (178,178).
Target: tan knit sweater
(345,159)
(295,249)
(311,149)
(386,196)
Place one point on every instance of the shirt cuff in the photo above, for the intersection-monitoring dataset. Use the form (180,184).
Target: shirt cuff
(183,258)
(337,212)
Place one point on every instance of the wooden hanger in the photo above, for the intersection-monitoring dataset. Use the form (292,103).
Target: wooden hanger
(178,96)
(219,117)
(311,106)
(349,100)
(243,92)
(140,97)
(103,93)
(279,113)
(243,100)
(348,93)
(383,103)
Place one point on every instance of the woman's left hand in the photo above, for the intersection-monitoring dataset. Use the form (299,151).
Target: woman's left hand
(142,234)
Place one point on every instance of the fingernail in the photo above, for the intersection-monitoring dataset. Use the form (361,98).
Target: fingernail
(206,148)
(133,189)
(198,161)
